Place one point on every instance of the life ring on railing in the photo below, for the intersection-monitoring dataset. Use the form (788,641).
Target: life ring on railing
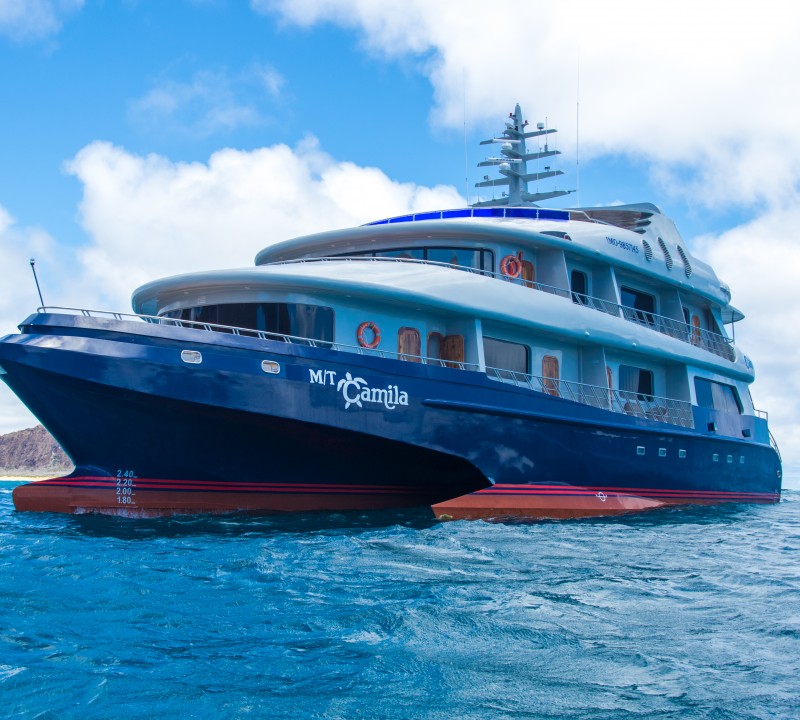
(511,266)
(376,334)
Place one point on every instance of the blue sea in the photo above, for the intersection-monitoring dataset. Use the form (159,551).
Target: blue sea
(682,613)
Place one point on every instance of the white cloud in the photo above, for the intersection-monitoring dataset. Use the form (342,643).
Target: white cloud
(761,261)
(19,298)
(211,101)
(704,87)
(702,92)
(25,20)
(148,216)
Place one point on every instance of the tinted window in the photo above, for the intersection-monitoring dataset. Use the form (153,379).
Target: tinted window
(454,256)
(644,305)
(403,253)
(579,286)
(636,380)
(476,259)
(717,396)
(505,355)
(296,319)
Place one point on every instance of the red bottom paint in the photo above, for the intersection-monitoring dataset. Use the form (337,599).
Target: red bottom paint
(139,497)
(560,501)
(152,497)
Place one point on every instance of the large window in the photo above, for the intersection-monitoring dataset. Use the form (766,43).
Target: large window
(636,380)
(717,396)
(306,321)
(506,355)
(642,306)
(458,256)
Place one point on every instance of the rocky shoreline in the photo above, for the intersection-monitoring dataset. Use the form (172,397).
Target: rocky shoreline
(32,453)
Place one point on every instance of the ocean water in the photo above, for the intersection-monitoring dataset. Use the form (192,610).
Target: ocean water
(682,613)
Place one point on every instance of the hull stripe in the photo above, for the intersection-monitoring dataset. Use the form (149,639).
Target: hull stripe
(144,484)
(566,490)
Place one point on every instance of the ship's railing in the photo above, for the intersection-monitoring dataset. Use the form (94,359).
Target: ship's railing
(265,335)
(711,341)
(774,444)
(699,337)
(668,410)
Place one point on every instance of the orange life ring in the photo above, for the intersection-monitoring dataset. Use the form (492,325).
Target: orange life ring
(376,334)
(511,266)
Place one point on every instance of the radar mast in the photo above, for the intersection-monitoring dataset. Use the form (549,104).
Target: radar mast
(513,164)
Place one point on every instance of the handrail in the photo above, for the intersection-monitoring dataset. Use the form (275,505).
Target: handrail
(266,335)
(774,443)
(705,339)
(667,410)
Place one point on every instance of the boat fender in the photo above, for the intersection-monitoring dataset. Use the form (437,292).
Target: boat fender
(376,334)
(511,266)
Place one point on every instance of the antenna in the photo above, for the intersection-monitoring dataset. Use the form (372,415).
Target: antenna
(578,135)
(466,162)
(38,289)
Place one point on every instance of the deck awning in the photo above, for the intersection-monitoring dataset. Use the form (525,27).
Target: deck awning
(731,314)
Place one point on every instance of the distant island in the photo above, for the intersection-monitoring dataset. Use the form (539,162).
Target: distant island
(32,452)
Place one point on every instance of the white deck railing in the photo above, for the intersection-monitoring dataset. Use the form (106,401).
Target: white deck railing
(699,337)
(667,410)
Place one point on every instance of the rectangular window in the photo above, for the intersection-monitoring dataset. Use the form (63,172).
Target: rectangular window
(579,285)
(717,396)
(506,355)
(403,253)
(314,322)
(639,306)
(455,256)
(636,380)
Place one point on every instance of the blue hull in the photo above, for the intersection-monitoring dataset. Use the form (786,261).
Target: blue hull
(151,433)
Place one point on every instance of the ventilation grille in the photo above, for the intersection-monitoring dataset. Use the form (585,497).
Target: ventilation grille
(648,251)
(667,256)
(687,266)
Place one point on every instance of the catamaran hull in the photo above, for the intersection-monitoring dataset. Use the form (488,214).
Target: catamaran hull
(264,426)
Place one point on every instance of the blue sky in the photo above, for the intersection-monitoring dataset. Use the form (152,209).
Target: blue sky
(143,137)
(91,81)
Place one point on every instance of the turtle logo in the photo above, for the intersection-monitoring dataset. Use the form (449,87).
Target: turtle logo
(346,384)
